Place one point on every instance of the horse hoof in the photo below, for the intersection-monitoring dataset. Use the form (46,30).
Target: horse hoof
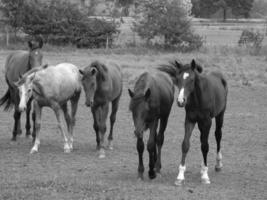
(205,181)
(179,182)
(218,168)
(102,154)
(67,150)
(33,151)
(152,175)
(140,177)
(110,146)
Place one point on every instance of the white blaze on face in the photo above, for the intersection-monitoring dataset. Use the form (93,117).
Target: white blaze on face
(22,103)
(181,92)
(185,75)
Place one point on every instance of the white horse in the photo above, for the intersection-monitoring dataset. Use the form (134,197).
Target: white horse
(52,86)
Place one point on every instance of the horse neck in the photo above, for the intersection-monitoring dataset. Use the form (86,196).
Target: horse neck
(197,94)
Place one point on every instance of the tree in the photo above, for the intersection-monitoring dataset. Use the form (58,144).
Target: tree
(168,20)
(205,8)
(13,13)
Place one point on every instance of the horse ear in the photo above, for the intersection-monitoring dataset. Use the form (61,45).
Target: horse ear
(31,76)
(195,66)
(93,71)
(81,71)
(30,44)
(16,83)
(41,43)
(131,94)
(177,64)
(147,94)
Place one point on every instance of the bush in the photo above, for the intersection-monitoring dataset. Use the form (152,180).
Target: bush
(252,40)
(168,20)
(63,23)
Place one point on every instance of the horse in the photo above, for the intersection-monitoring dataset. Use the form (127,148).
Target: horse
(151,102)
(17,63)
(54,87)
(102,83)
(204,97)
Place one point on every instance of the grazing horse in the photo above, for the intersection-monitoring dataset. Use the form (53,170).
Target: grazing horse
(151,101)
(204,97)
(17,63)
(102,84)
(52,86)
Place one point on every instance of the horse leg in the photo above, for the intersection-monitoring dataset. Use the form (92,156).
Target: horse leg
(60,118)
(218,136)
(74,105)
(204,127)
(28,119)
(33,128)
(17,126)
(159,141)
(189,126)
(151,147)
(96,128)
(64,107)
(115,105)
(140,149)
(102,114)
(37,125)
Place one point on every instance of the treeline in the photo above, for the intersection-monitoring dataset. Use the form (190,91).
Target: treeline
(58,22)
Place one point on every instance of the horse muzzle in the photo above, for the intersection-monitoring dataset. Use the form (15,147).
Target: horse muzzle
(89,103)
(181,102)
(22,108)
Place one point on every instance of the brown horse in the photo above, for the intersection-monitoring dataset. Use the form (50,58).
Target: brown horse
(17,63)
(102,84)
(204,97)
(151,102)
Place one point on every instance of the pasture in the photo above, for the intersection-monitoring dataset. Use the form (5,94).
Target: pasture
(52,174)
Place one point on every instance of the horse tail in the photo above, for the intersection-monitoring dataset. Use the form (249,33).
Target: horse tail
(6,101)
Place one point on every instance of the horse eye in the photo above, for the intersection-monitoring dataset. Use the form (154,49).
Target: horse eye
(29,90)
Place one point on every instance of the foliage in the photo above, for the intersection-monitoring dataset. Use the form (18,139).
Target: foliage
(12,12)
(252,40)
(168,20)
(205,8)
(259,8)
(61,23)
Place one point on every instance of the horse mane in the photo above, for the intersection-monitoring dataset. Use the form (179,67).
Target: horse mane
(33,70)
(101,68)
(171,68)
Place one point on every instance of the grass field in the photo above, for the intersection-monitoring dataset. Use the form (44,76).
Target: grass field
(51,174)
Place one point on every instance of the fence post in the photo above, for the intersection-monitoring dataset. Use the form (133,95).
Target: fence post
(107,42)
(7,35)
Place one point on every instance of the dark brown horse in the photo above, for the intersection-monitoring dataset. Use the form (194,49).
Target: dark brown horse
(151,102)
(17,63)
(204,97)
(102,84)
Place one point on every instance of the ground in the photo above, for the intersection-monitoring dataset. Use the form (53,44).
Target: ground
(52,174)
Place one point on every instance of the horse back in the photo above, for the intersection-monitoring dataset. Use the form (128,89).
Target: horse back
(58,82)
(162,91)
(114,80)
(17,63)
(219,89)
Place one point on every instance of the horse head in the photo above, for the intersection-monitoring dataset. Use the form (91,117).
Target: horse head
(35,53)
(186,78)
(25,86)
(92,77)
(139,106)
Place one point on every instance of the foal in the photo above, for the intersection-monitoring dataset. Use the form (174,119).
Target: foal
(204,97)
(151,103)
(52,86)
(102,84)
